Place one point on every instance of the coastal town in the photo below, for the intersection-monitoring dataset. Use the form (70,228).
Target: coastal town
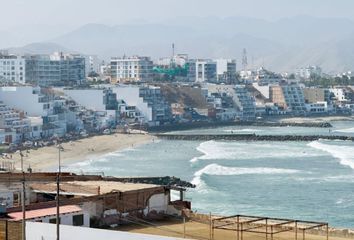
(75,105)
(63,95)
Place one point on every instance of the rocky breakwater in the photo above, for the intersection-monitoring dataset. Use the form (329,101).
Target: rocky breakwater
(196,125)
(250,137)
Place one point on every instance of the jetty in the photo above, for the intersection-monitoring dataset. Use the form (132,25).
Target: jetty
(251,137)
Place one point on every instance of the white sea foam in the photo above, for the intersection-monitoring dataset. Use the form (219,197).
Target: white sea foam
(213,150)
(243,130)
(346,130)
(218,170)
(215,169)
(344,154)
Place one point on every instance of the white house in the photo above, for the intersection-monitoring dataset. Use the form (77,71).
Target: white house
(69,215)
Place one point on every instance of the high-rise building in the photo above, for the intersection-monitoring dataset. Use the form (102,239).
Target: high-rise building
(131,69)
(55,70)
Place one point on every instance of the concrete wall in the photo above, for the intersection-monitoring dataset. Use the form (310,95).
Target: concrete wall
(22,98)
(44,231)
(158,202)
(91,99)
(130,94)
(65,219)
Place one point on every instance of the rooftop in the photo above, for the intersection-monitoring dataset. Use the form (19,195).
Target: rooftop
(89,188)
(31,214)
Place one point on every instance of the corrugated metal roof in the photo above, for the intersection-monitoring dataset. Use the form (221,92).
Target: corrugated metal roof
(44,212)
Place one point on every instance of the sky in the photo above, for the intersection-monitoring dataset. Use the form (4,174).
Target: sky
(74,13)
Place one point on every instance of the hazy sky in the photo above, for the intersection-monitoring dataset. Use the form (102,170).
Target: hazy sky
(73,13)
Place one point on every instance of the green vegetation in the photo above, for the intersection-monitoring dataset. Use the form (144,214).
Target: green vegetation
(316,81)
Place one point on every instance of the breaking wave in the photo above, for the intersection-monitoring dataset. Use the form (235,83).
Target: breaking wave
(248,130)
(218,170)
(346,130)
(344,154)
(212,150)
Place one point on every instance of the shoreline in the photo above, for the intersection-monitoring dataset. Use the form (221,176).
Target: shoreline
(46,158)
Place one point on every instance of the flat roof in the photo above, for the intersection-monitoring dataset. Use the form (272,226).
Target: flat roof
(90,188)
(44,212)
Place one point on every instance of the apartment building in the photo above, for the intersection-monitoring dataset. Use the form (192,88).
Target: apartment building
(148,101)
(309,71)
(202,71)
(289,97)
(226,71)
(314,95)
(12,68)
(245,103)
(57,69)
(51,110)
(16,127)
(131,69)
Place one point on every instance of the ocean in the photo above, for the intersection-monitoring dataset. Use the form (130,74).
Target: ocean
(300,180)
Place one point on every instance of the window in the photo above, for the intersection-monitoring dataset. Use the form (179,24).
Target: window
(78,220)
(54,220)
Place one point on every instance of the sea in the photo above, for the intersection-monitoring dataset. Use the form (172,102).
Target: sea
(299,180)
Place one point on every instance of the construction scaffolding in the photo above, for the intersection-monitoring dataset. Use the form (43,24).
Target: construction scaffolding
(266,225)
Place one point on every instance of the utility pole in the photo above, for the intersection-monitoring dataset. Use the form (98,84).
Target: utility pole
(23,199)
(60,148)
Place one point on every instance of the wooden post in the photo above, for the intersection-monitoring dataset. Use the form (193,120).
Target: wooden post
(184,227)
(266,229)
(238,228)
(210,226)
(303,234)
(327,231)
(296,230)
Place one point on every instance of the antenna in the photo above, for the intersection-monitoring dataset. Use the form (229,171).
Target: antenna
(244,59)
(173,49)
(173,56)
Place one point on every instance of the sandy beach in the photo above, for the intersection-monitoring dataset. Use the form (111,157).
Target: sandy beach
(46,158)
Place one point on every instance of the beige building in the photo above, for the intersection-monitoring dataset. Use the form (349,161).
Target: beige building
(314,95)
(276,96)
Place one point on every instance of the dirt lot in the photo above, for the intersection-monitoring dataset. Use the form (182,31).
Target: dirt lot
(195,230)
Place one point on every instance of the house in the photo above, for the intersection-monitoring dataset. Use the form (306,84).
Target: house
(68,215)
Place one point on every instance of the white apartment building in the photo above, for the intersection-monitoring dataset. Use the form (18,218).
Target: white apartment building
(131,69)
(36,105)
(12,68)
(226,70)
(341,95)
(131,96)
(319,107)
(92,64)
(310,71)
(16,127)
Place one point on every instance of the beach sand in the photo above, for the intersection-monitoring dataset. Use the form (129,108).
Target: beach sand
(46,158)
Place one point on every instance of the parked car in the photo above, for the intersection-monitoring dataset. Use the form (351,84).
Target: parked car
(107,131)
